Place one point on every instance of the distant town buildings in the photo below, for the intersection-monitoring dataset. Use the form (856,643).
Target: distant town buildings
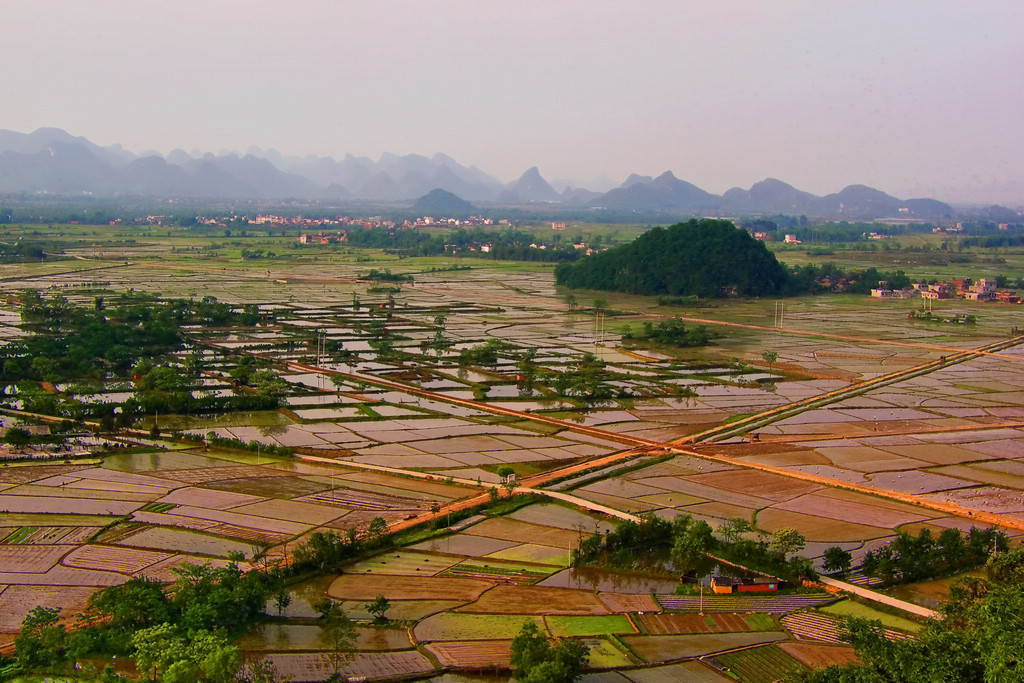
(966,288)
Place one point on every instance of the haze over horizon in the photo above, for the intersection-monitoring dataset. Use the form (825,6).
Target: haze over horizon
(917,98)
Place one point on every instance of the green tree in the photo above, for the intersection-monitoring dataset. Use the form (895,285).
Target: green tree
(282,598)
(529,648)
(534,660)
(41,640)
(379,607)
(377,529)
(17,437)
(337,633)
(734,528)
(690,544)
(786,541)
(838,560)
(770,357)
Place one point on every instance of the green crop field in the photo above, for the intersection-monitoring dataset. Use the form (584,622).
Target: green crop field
(589,625)
(849,608)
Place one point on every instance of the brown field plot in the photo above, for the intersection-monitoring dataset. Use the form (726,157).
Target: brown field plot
(369,586)
(511,530)
(818,656)
(536,600)
(478,654)
(113,558)
(718,622)
(667,648)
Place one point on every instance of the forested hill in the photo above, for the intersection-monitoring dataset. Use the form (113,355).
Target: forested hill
(707,257)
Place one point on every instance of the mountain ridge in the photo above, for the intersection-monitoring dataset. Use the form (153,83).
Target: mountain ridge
(50,160)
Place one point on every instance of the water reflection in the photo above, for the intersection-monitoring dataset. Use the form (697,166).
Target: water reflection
(592,578)
(304,594)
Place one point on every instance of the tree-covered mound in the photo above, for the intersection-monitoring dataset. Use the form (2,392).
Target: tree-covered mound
(707,257)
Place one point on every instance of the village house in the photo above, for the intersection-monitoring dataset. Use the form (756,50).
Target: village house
(732,584)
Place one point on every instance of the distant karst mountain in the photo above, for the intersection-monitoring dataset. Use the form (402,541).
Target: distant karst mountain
(530,187)
(664,193)
(443,203)
(51,161)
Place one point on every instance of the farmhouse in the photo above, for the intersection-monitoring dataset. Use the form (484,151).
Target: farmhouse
(732,584)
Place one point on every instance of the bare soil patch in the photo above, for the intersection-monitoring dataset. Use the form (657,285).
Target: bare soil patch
(692,488)
(71,493)
(208,498)
(269,486)
(238,519)
(817,528)
(938,454)
(291,510)
(113,558)
(207,475)
(53,504)
(369,586)
(463,544)
(478,654)
(819,656)
(623,602)
(667,648)
(536,600)
(363,666)
(164,538)
(30,559)
(22,474)
(522,532)
(17,601)
(985,498)
(717,622)
(846,510)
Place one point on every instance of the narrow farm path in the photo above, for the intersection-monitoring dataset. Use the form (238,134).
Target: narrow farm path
(875,596)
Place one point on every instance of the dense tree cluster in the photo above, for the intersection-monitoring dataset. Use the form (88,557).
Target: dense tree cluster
(126,338)
(535,660)
(980,638)
(504,245)
(631,543)
(707,257)
(670,332)
(909,558)
(812,278)
(22,251)
(178,633)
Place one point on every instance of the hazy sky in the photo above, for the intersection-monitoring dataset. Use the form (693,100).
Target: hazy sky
(913,97)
